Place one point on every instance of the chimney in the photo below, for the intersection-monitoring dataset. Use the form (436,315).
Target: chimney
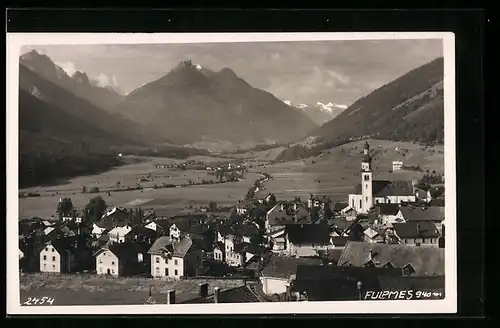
(216,294)
(203,290)
(171,296)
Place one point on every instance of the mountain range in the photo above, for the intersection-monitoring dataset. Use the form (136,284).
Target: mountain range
(319,112)
(192,103)
(410,108)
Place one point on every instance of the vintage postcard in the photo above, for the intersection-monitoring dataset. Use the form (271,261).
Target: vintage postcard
(231,173)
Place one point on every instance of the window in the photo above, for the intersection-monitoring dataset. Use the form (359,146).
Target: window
(353,203)
(366,199)
(166,272)
(157,259)
(53,258)
(367,177)
(360,205)
(423,240)
(176,272)
(112,262)
(45,266)
(366,186)
(52,249)
(45,257)
(166,261)
(112,270)
(388,201)
(100,270)
(46,249)
(175,262)
(100,261)
(104,253)
(53,266)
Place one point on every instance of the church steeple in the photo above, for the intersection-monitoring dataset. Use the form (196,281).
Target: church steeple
(366,201)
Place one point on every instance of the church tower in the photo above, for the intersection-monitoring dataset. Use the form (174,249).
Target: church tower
(366,180)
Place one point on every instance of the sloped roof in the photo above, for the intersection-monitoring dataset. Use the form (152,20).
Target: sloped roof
(277,217)
(410,230)
(142,231)
(388,208)
(124,251)
(189,224)
(370,233)
(383,188)
(339,240)
(61,245)
(424,284)
(241,294)
(433,213)
(177,249)
(308,233)
(159,245)
(329,282)
(120,231)
(282,267)
(426,261)
(337,207)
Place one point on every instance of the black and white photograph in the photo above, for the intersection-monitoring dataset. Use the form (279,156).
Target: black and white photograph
(211,173)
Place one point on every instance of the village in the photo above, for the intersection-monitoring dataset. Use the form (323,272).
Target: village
(385,242)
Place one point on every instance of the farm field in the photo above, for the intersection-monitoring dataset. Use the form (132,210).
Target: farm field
(128,175)
(336,171)
(94,290)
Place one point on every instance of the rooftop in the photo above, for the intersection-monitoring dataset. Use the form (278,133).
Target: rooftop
(308,233)
(423,213)
(409,230)
(283,267)
(384,188)
(426,261)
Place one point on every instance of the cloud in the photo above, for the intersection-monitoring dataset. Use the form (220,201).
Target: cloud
(68,67)
(104,80)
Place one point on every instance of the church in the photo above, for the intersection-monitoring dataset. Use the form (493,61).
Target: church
(371,192)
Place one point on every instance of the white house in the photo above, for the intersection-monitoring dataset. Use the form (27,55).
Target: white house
(279,271)
(70,218)
(152,226)
(175,259)
(57,257)
(370,192)
(423,234)
(305,240)
(389,214)
(117,235)
(97,231)
(118,259)
(219,252)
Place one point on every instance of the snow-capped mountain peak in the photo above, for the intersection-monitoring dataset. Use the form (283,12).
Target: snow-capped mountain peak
(319,112)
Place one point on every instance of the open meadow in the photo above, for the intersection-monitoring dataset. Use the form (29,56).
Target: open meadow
(224,194)
(336,172)
(95,290)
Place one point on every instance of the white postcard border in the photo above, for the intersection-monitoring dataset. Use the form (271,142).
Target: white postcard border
(447,305)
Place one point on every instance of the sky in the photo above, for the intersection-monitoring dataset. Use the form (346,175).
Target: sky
(301,72)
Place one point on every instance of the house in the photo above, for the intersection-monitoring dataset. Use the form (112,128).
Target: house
(234,255)
(117,235)
(334,283)
(242,294)
(57,256)
(415,261)
(141,235)
(422,195)
(423,234)
(370,192)
(174,258)
(76,219)
(397,165)
(118,215)
(98,230)
(306,239)
(277,240)
(389,214)
(338,242)
(118,259)
(348,213)
(424,213)
(373,236)
(285,214)
(219,252)
(278,270)
(161,226)
(187,226)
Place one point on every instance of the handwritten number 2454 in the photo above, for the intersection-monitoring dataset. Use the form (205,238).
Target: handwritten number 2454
(39,301)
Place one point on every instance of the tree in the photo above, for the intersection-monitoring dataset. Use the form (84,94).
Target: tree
(272,200)
(65,208)
(96,208)
(356,232)
(212,206)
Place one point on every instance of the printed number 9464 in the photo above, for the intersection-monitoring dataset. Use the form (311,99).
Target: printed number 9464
(39,301)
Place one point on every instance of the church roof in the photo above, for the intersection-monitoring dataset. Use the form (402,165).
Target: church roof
(383,188)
